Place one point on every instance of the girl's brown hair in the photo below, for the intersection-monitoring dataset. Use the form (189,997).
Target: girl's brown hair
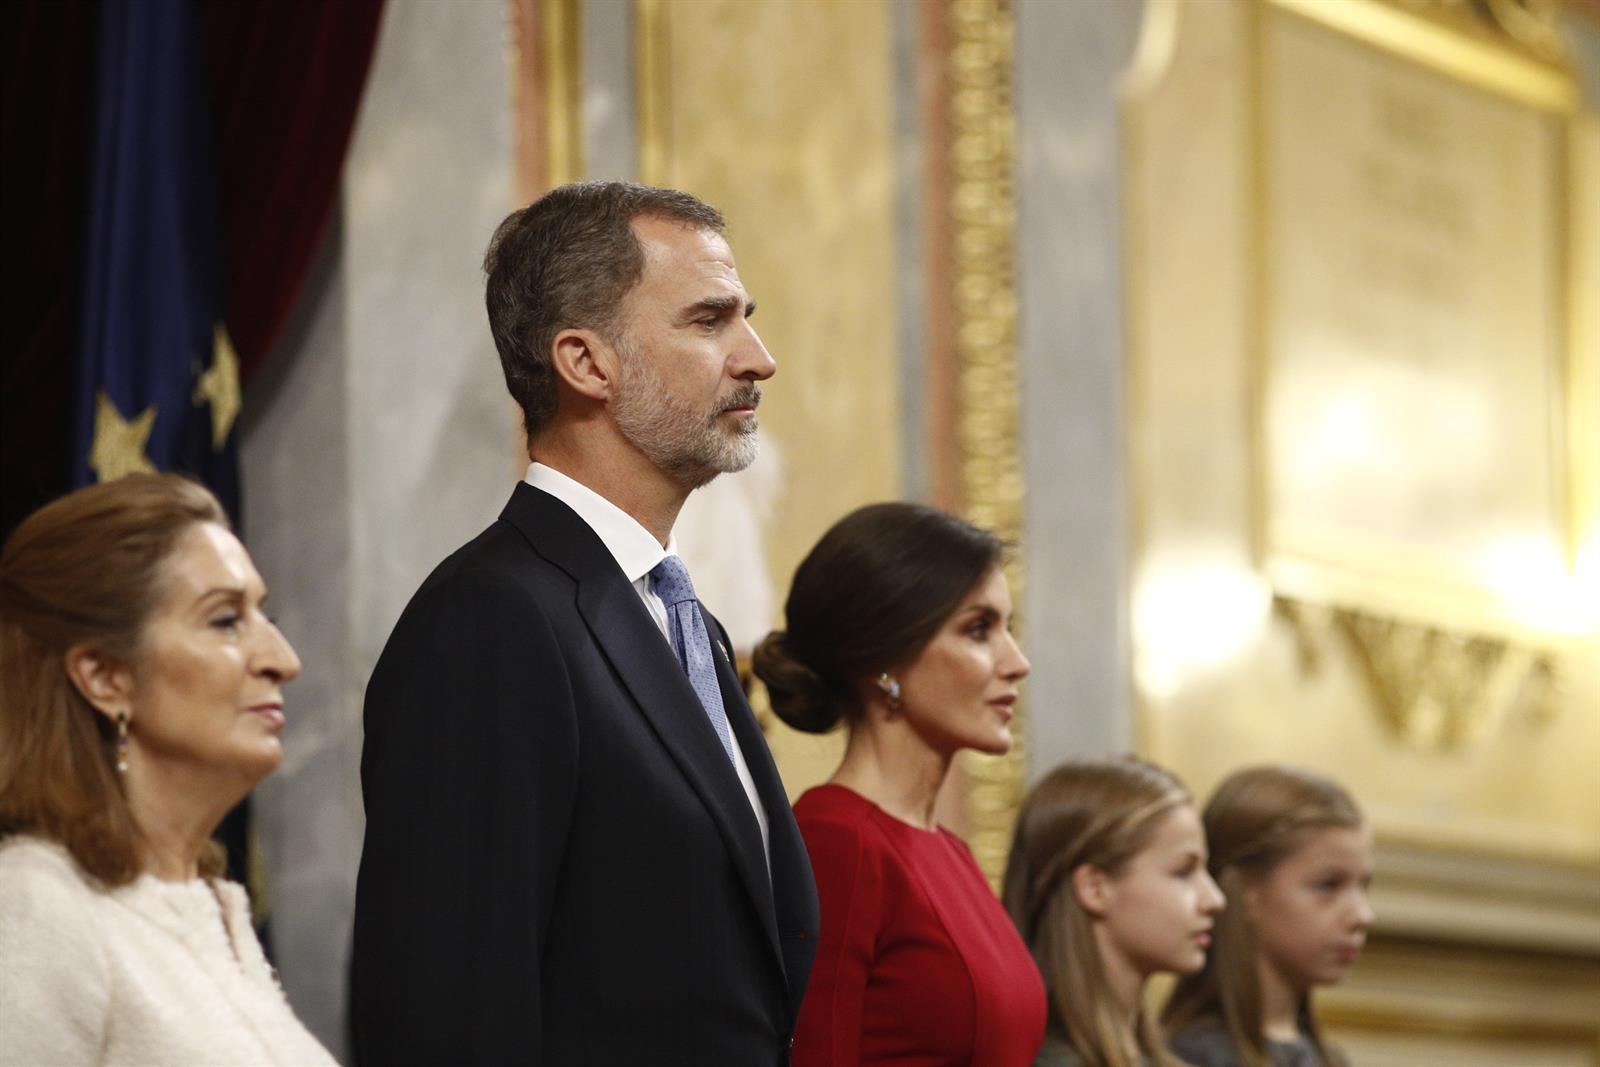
(1255,819)
(1097,812)
(83,570)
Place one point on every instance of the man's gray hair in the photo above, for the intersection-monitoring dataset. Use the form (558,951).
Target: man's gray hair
(566,261)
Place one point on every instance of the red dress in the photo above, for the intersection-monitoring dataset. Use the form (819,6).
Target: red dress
(917,963)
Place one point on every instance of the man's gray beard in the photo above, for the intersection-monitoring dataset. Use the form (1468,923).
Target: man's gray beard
(687,445)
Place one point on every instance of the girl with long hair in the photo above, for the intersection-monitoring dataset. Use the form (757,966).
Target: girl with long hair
(1107,884)
(1294,855)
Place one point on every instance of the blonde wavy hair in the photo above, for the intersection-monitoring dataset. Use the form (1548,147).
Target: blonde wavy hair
(1102,813)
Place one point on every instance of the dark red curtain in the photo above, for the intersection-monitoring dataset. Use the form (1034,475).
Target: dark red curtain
(286,79)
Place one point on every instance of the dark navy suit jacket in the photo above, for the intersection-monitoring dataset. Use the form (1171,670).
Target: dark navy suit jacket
(561,866)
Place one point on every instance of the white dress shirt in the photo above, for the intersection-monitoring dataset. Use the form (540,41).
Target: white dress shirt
(637,552)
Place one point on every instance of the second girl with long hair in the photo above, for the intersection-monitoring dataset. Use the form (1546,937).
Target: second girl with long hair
(1292,852)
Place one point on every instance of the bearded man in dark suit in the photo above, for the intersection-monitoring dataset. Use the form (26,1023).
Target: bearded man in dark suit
(578,850)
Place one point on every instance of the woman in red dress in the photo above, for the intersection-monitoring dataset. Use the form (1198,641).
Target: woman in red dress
(899,627)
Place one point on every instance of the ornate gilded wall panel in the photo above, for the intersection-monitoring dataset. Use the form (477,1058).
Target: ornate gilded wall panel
(1416,359)
(1412,216)
(546,82)
(1221,674)
(781,114)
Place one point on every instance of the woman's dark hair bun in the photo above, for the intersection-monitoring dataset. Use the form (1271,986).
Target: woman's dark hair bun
(867,598)
(799,695)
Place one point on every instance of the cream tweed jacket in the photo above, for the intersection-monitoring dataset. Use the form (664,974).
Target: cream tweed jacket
(153,973)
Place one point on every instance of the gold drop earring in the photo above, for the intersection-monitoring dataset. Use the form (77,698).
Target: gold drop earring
(122,741)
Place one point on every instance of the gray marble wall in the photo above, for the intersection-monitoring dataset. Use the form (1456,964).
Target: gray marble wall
(1070,59)
(911,283)
(610,131)
(382,439)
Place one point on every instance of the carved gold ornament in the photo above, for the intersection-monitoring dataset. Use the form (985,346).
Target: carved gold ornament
(983,212)
(1532,26)
(1434,689)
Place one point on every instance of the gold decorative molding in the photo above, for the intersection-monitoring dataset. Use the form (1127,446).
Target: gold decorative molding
(983,212)
(1438,894)
(1451,38)
(544,38)
(1533,26)
(561,25)
(1530,1030)
(653,91)
(1464,1001)
(1435,690)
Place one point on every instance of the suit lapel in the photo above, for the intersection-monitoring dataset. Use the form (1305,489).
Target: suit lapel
(793,899)
(643,659)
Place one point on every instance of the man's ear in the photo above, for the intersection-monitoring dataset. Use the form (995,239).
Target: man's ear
(585,362)
(104,683)
(1092,886)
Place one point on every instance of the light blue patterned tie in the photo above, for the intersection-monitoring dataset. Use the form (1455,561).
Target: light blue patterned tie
(669,580)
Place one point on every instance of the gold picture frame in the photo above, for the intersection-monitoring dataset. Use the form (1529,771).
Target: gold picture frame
(1424,372)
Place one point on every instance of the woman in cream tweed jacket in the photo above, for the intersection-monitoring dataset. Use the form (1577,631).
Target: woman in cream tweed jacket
(139,701)
(152,972)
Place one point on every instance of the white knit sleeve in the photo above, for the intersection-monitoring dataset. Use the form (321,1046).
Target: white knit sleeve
(54,976)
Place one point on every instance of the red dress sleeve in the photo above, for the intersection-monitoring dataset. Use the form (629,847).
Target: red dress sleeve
(850,892)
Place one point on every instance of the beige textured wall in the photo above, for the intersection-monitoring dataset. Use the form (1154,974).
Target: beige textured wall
(780,113)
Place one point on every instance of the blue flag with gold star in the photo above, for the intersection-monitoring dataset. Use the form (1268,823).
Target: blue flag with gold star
(158,378)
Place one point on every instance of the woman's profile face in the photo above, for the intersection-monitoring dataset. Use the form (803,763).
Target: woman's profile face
(1162,902)
(1310,912)
(207,683)
(961,690)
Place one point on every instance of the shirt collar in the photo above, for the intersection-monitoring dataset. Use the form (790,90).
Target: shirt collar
(633,547)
